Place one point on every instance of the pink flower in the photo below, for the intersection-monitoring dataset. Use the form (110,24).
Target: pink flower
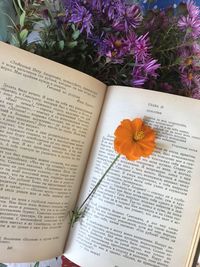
(193,10)
(142,48)
(187,79)
(190,25)
(130,19)
(196,49)
(114,48)
(191,22)
(190,79)
(143,72)
(83,18)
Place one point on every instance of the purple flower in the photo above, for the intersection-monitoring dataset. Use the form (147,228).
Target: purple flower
(114,49)
(150,67)
(196,93)
(130,19)
(187,79)
(197,79)
(189,65)
(69,4)
(142,47)
(190,25)
(96,4)
(191,22)
(82,18)
(196,49)
(139,78)
(166,87)
(196,90)
(113,8)
(131,39)
(193,10)
(142,72)
(185,57)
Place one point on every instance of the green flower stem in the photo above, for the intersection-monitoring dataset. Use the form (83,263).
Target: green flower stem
(99,182)
(173,48)
(77,213)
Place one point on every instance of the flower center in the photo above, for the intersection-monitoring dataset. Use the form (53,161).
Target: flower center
(188,61)
(118,43)
(190,76)
(138,136)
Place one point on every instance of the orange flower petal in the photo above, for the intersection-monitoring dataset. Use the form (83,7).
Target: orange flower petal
(136,125)
(132,157)
(148,131)
(125,142)
(126,147)
(122,132)
(147,150)
(127,124)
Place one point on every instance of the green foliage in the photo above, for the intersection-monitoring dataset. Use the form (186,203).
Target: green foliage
(66,44)
(37,264)
(7,16)
(167,39)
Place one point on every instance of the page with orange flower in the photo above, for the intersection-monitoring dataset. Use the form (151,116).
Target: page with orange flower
(146,211)
(48,116)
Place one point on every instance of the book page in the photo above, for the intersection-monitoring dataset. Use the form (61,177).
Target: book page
(194,254)
(48,116)
(145,212)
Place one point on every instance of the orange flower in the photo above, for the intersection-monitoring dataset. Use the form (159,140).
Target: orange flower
(134,139)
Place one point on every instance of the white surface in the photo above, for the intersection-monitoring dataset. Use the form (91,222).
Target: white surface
(49,263)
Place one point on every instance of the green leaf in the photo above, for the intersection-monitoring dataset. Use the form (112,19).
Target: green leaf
(61,45)
(23,35)
(83,47)
(72,44)
(52,43)
(170,12)
(73,27)
(182,9)
(75,35)
(20,5)
(131,64)
(14,41)
(22,19)
(2,265)
(37,264)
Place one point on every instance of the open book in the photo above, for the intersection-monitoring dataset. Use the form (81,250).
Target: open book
(56,140)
